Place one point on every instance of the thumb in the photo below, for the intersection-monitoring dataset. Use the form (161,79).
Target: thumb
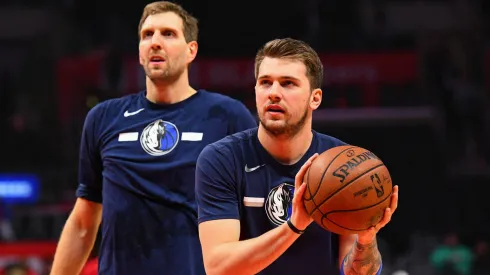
(299,193)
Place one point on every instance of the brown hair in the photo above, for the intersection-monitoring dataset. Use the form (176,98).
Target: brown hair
(189,22)
(295,50)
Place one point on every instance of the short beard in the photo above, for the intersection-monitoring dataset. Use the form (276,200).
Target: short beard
(167,76)
(288,130)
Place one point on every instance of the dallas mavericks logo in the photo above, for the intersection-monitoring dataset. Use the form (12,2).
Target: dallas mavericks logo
(278,205)
(159,138)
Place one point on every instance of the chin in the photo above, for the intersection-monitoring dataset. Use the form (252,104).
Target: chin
(275,126)
(157,74)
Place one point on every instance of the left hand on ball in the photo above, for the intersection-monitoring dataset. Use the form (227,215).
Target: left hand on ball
(368,236)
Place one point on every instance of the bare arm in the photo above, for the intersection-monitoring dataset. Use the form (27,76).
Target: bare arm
(345,246)
(77,238)
(224,254)
(362,259)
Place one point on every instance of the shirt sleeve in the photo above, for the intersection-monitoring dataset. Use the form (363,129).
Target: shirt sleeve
(90,163)
(242,118)
(216,193)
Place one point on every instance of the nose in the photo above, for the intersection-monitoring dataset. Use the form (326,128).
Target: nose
(275,92)
(156,41)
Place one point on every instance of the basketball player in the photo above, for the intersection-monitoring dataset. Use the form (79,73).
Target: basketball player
(138,156)
(249,186)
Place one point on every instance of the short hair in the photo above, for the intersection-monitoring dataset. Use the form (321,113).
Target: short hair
(189,22)
(293,49)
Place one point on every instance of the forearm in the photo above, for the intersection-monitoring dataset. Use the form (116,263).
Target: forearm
(252,255)
(363,259)
(73,248)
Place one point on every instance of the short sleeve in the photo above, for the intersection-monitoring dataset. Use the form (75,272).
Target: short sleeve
(216,193)
(90,163)
(242,118)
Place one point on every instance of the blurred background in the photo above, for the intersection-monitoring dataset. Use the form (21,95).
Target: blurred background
(408,80)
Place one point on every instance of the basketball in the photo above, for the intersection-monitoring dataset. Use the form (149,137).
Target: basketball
(348,189)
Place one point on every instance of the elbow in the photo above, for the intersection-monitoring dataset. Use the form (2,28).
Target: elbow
(214,266)
(217,265)
(81,228)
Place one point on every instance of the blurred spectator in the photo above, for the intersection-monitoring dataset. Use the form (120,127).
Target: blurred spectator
(469,103)
(482,258)
(16,269)
(452,257)
(6,231)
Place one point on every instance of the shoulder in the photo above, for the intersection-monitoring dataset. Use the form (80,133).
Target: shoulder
(105,111)
(217,97)
(224,101)
(113,104)
(120,102)
(236,141)
(230,146)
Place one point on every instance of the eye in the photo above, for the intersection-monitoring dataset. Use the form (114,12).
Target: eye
(168,33)
(288,83)
(265,82)
(147,34)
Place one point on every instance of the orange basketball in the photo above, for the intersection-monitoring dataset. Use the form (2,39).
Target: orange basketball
(348,189)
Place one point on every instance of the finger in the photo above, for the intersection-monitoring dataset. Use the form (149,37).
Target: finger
(298,200)
(312,158)
(371,231)
(301,173)
(385,220)
(299,192)
(394,199)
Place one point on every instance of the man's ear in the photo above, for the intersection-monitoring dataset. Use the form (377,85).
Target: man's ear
(316,98)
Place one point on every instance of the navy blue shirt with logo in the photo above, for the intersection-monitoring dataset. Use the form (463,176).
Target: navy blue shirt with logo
(236,178)
(138,159)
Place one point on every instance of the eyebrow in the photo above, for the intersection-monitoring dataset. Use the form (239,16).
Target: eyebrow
(143,30)
(284,77)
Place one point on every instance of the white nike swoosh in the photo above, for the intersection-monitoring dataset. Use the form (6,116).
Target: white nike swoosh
(253,168)
(126,114)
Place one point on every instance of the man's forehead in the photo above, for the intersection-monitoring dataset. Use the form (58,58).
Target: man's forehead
(282,68)
(163,20)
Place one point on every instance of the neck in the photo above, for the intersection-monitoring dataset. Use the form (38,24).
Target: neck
(169,92)
(286,149)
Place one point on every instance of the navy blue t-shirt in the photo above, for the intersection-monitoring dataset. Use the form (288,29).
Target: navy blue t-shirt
(138,159)
(236,178)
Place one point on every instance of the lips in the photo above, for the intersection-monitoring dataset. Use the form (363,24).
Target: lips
(275,108)
(157,58)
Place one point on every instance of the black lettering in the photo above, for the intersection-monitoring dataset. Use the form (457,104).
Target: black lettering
(344,169)
(351,164)
(356,160)
(377,185)
(371,155)
(362,157)
(363,192)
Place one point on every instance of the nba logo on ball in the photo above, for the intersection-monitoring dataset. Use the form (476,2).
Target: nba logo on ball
(278,205)
(159,138)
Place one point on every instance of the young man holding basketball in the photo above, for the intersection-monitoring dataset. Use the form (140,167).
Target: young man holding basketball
(249,186)
(138,156)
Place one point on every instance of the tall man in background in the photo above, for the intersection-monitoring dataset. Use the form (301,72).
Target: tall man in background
(138,156)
